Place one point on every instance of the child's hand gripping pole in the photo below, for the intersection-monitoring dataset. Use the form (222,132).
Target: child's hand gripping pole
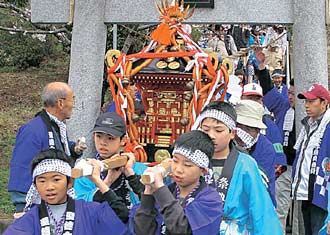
(148,177)
(82,168)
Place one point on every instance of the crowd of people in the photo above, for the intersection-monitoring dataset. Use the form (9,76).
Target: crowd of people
(239,172)
(228,40)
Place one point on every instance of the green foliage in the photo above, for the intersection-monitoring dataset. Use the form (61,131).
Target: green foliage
(18,3)
(21,50)
(7,140)
(122,34)
(196,34)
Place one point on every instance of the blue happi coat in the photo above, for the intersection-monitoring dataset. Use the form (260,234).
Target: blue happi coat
(265,156)
(274,135)
(90,218)
(31,138)
(248,206)
(204,213)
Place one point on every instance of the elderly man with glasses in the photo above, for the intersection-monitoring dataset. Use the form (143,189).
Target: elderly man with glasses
(46,131)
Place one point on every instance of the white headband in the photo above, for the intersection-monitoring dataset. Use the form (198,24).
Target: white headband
(218,115)
(198,157)
(50,165)
(277,75)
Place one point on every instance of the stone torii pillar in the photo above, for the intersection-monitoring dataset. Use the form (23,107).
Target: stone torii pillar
(88,46)
(309,48)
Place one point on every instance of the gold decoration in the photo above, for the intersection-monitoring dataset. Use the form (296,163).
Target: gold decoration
(135,117)
(161,154)
(173,12)
(111,57)
(174,65)
(228,65)
(190,85)
(214,59)
(161,64)
(188,96)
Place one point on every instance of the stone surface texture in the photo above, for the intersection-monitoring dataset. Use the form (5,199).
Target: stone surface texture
(87,67)
(309,48)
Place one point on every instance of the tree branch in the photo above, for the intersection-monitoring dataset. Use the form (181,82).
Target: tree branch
(24,31)
(130,30)
(24,13)
(62,34)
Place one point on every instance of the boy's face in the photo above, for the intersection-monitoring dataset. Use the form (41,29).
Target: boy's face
(53,187)
(185,173)
(220,135)
(107,145)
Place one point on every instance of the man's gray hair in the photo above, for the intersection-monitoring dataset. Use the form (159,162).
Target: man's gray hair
(50,96)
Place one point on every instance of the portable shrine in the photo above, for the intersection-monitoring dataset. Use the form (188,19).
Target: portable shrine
(175,77)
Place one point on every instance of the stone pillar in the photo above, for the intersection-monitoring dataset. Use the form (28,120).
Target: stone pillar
(309,48)
(86,68)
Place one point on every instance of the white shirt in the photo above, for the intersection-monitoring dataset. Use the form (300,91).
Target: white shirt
(300,181)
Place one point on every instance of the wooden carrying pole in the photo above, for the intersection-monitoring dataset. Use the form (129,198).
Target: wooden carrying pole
(111,163)
(149,178)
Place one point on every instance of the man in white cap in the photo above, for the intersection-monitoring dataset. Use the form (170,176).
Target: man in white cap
(249,125)
(253,91)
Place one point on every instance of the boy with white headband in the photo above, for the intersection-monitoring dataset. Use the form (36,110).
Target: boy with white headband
(188,206)
(248,208)
(56,211)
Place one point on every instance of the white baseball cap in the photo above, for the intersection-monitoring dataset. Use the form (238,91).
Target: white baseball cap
(252,89)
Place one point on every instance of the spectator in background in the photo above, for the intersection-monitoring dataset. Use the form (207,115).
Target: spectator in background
(217,44)
(273,51)
(277,77)
(240,74)
(253,91)
(229,40)
(136,96)
(241,36)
